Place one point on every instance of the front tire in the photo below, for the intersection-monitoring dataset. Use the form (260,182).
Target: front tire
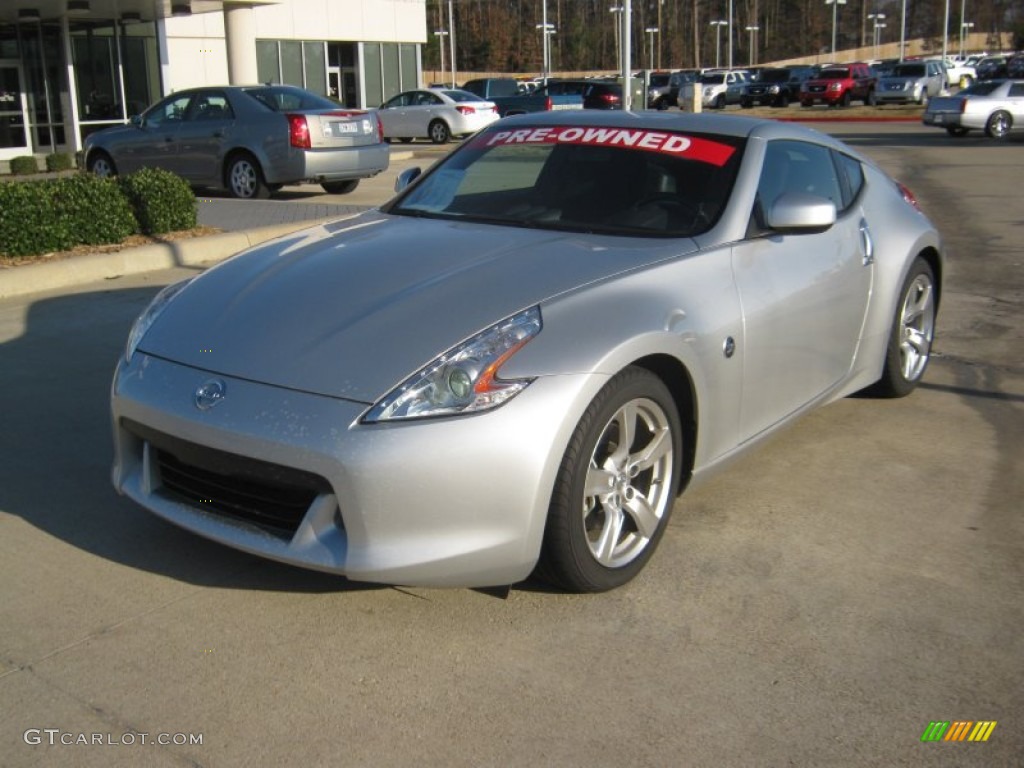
(720,101)
(615,486)
(340,187)
(999,125)
(439,132)
(243,178)
(101,164)
(913,330)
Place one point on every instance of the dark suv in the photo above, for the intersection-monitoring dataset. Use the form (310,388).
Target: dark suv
(776,87)
(839,84)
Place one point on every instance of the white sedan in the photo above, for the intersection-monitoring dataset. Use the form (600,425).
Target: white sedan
(993,106)
(435,114)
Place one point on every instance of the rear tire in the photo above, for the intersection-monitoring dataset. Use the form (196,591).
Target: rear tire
(340,187)
(913,330)
(999,125)
(615,487)
(439,132)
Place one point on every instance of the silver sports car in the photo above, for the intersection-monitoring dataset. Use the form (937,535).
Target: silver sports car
(517,364)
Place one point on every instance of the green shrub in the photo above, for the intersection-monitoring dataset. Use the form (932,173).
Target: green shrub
(60,162)
(55,215)
(93,209)
(23,165)
(27,222)
(162,201)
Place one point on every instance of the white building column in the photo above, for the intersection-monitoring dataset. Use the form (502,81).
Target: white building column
(240,38)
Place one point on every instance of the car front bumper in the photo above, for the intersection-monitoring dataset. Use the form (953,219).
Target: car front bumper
(443,502)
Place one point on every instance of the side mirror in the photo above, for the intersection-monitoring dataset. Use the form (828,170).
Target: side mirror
(801,213)
(407,177)
(136,120)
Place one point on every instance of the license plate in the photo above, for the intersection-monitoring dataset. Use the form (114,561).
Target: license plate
(343,129)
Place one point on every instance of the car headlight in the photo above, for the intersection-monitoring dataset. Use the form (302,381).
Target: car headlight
(465,378)
(149,316)
(835,86)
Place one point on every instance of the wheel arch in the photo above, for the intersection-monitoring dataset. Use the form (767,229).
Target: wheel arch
(676,377)
(231,154)
(931,257)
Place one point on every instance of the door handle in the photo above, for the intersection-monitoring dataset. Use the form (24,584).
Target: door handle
(867,243)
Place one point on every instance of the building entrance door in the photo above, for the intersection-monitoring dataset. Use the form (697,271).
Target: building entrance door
(13,135)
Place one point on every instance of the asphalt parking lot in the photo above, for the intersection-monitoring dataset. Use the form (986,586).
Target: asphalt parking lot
(819,604)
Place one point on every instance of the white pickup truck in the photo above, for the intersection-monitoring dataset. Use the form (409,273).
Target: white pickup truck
(959,74)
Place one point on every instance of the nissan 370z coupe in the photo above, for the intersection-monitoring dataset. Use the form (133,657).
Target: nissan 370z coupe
(518,363)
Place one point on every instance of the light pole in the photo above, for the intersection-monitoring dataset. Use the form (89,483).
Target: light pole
(718,38)
(547,30)
(964,26)
(945,33)
(753,31)
(440,35)
(875,19)
(615,10)
(730,34)
(835,7)
(651,32)
(451,38)
(903,31)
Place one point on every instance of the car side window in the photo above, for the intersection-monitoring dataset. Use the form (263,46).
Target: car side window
(1016,89)
(169,111)
(210,106)
(795,167)
(852,179)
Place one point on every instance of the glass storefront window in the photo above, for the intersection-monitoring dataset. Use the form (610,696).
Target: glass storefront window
(268,64)
(95,60)
(315,61)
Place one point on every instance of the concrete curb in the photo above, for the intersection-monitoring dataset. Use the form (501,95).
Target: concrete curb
(196,251)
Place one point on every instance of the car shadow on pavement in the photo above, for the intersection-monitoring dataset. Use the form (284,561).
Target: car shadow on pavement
(56,430)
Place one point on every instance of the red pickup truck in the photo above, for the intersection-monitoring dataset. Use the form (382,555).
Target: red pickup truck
(839,84)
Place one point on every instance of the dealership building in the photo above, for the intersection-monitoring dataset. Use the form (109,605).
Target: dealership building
(72,67)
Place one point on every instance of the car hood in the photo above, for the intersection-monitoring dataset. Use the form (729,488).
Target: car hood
(105,136)
(352,308)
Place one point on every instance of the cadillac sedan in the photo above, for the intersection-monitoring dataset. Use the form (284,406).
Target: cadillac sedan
(993,106)
(250,140)
(516,365)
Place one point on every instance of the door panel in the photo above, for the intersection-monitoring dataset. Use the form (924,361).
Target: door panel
(804,296)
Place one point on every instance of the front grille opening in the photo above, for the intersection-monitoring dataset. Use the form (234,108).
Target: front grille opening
(272,496)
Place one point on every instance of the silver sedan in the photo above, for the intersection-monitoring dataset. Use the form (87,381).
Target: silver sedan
(517,364)
(250,140)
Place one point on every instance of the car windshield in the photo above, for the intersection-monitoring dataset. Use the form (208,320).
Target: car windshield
(659,80)
(834,74)
(908,70)
(284,98)
(774,76)
(458,95)
(712,79)
(607,180)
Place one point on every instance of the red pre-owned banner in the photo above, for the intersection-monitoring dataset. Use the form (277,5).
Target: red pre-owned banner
(690,147)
